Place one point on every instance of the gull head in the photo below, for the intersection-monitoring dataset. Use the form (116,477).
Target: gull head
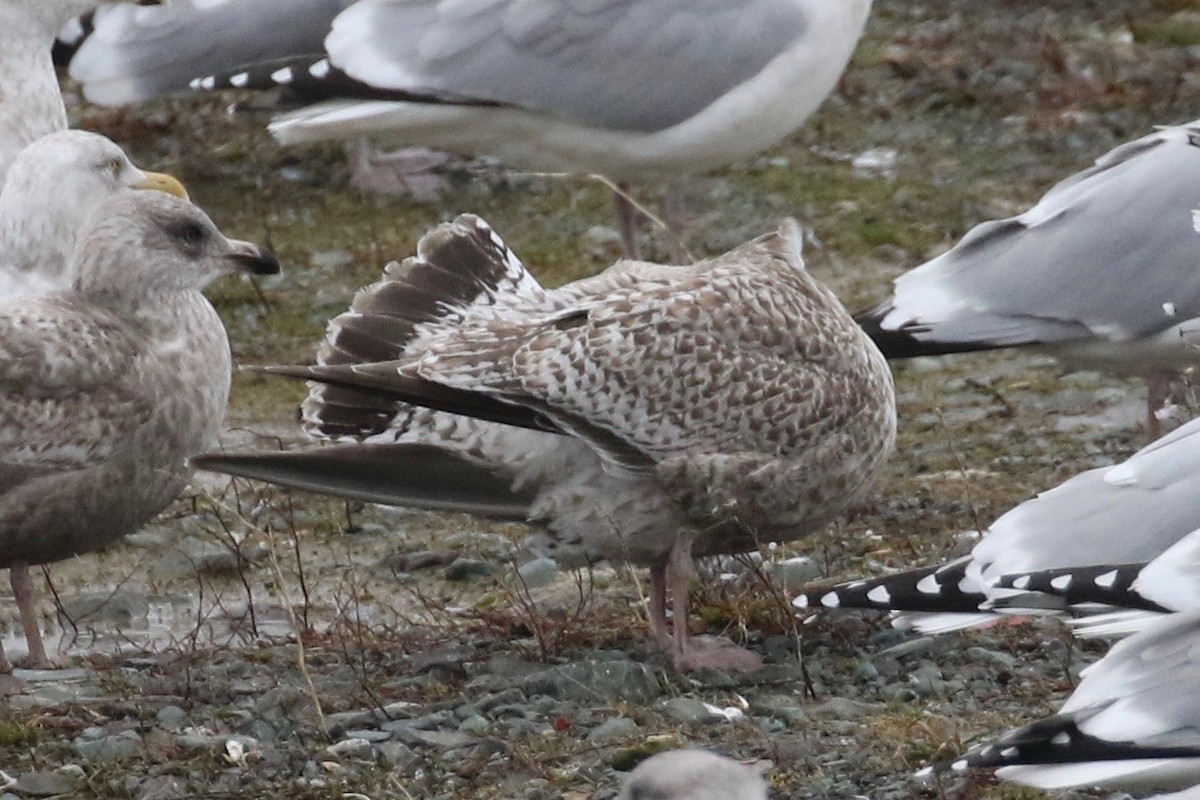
(52,187)
(51,15)
(136,244)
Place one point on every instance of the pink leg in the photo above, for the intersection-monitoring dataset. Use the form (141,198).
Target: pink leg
(679,574)
(404,173)
(627,217)
(658,606)
(703,652)
(22,586)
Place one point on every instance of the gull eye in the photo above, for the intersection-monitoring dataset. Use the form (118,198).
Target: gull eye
(191,233)
(114,166)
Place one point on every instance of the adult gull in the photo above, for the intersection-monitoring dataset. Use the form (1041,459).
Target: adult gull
(30,103)
(1126,514)
(52,187)
(107,387)
(647,415)
(627,88)
(1100,273)
(1132,723)
(123,54)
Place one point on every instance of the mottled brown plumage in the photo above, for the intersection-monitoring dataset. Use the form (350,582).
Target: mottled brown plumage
(107,388)
(692,410)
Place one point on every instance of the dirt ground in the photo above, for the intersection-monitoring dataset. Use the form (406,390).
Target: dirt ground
(257,643)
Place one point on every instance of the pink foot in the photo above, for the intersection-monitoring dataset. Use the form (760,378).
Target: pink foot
(404,173)
(716,652)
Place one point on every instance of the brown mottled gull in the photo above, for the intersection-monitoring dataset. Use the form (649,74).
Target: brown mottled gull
(662,412)
(52,187)
(108,387)
(30,103)
(694,775)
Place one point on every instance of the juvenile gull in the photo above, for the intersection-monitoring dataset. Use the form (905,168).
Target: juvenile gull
(1129,513)
(1100,273)
(661,412)
(52,187)
(694,775)
(107,387)
(30,103)
(627,88)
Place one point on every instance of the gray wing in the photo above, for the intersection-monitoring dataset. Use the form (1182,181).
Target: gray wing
(1127,513)
(1134,720)
(639,65)
(63,405)
(135,53)
(1099,255)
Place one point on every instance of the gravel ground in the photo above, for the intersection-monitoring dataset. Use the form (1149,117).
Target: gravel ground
(253,643)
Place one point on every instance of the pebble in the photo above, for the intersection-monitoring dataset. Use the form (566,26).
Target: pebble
(104,749)
(44,784)
(596,681)
(613,728)
(353,747)
(538,573)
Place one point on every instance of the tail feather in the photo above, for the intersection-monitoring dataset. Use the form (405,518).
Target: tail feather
(460,267)
(410,475)
(388,380)
(939,589)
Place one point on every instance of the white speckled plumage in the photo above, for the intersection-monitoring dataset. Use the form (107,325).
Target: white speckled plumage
(696,409)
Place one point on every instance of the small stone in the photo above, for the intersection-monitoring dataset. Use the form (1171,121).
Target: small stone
(398,756)
(369,735)
(596,681)
(441,740)
(613,728)
(353,747)
(843,708)
(44,784)
(796,571)
(162,787)
(109,748)
(467,569)
(538,573)
(687,709)
(172,718)
(475,724)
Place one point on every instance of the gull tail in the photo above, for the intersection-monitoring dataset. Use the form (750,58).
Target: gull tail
(389,380)
(410,475)
(460,267)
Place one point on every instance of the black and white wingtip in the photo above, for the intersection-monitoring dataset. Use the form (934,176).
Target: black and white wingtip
(1055,740)
(905,342)
(72,37)
(312,78)
(939,589)
(1111,585)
